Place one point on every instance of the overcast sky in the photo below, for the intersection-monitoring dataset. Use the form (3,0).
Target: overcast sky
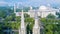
(31,2)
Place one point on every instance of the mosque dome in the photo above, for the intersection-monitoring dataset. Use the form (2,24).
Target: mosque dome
(43,8)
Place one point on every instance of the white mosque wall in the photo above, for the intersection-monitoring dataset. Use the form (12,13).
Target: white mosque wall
(31,13)
(40,13)
(18,13)
(43,11)
(45,14)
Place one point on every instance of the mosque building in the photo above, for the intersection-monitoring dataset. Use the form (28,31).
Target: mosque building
(43,11)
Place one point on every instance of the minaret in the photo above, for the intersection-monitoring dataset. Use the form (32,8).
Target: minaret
(15,8)
(19,31)
(23,27)
(36,28)
(31,12)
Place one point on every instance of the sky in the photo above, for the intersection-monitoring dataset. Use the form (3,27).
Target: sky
(31,2)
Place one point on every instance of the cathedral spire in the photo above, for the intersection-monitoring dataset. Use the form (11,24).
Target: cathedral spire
(36,28)
(23,28)
(22,20)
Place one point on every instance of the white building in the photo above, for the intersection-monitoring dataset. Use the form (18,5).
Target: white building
(19,13)
(43,11)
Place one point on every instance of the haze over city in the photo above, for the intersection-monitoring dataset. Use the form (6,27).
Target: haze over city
(54,3)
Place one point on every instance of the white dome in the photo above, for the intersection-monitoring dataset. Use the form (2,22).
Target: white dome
(42,8)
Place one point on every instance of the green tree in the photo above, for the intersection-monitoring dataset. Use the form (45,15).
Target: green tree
(51,16)
(29,22)
(2,14)
(58,14)
(26,15)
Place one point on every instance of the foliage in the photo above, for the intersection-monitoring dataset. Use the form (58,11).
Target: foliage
(26,15)
(51,16)
(51,26)
(58,14)
(2,14)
